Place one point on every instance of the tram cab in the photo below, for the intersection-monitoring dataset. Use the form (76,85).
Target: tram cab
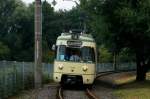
(76,58)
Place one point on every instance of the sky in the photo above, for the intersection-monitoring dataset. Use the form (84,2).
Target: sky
(60,4)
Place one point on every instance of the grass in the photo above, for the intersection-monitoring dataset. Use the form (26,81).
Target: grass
(130,89)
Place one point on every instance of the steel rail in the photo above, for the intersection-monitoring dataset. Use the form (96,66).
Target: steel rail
(90,94)
(59,94)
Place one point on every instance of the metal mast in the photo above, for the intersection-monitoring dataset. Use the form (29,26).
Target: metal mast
(38,45)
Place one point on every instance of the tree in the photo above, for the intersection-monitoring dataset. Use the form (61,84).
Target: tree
(17,28)
(4,51)
(125,24)
(105,55)
(14,28)
(7,8)
(20,39)
(54,23)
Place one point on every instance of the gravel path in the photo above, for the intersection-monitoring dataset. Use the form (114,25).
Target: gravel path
(103,91)
(105,85)
(47,92)
(74,94)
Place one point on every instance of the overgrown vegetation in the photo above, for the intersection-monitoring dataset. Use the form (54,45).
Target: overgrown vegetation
(120,24)
(17,29)
(121,29)
(133,90)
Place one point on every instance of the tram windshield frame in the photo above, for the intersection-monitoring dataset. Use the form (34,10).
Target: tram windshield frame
(84,54)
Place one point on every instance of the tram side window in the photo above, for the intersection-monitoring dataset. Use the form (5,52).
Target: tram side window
(88,54)
(61,52)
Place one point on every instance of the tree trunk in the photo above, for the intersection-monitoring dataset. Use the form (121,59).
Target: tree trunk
(141,68)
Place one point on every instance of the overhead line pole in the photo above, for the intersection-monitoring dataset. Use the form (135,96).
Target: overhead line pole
(38,45)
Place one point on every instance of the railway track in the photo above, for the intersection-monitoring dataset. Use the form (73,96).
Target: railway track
(59,94)
(100,74)
(91,94)
(88,92)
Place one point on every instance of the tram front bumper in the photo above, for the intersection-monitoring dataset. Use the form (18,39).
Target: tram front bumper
(86,78)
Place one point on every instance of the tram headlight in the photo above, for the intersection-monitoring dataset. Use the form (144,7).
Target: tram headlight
(60,66)
(84,68)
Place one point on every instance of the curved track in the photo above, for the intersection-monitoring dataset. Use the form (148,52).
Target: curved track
(88,93)
(100,74)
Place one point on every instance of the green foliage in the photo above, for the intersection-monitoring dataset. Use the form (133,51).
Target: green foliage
(7,8)
(4,51)
(127,23)
(120,23)
(105,55)
(116,24)
(126,55)
(17,28)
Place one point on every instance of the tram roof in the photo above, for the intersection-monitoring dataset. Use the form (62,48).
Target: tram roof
(83,37)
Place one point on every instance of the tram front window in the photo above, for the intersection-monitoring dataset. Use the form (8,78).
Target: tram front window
(84,54)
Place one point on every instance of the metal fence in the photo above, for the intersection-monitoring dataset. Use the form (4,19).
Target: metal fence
(16,76)
(104,67)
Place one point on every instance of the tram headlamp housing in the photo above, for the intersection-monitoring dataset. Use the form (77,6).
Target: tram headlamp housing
(60,66)
(84,68)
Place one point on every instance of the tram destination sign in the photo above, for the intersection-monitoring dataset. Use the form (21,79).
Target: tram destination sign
(74,43)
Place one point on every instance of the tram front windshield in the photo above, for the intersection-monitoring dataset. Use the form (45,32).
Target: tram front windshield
(84,54)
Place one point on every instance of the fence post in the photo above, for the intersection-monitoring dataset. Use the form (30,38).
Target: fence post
(23,75)
(15,78)
(3,83)
(5,79)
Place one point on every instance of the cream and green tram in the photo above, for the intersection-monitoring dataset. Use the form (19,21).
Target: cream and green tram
(76,59)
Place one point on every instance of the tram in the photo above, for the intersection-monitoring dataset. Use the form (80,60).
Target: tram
(76,58)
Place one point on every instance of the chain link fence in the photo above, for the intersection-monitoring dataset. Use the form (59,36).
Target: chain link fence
(17,76)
